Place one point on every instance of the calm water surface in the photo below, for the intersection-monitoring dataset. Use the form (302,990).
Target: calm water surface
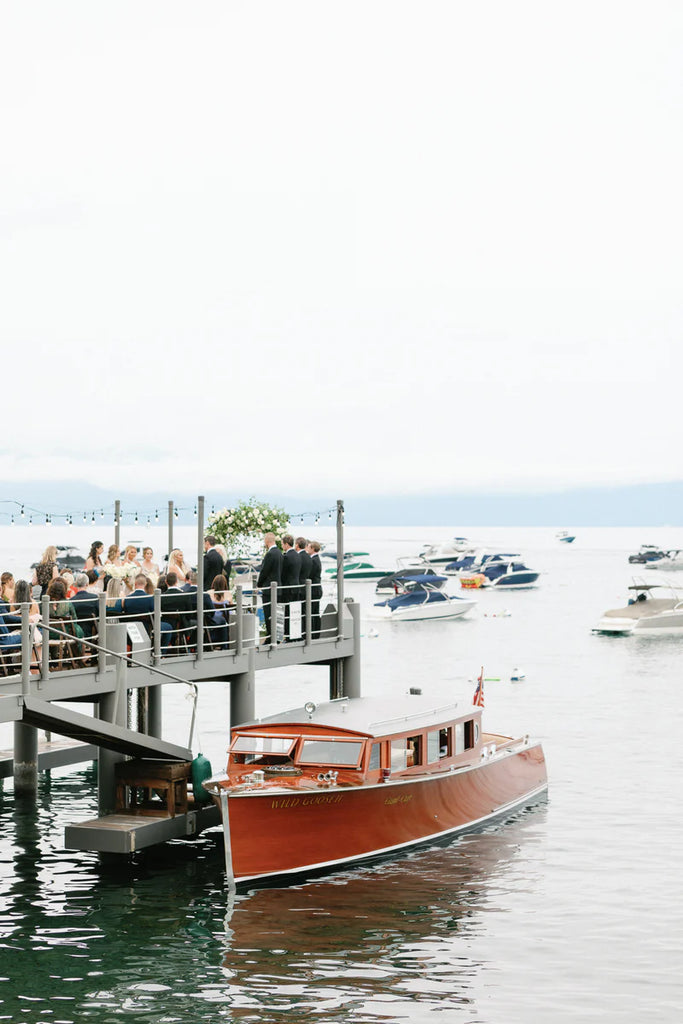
(569,912)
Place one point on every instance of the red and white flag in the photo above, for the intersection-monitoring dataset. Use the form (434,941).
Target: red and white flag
(478,699)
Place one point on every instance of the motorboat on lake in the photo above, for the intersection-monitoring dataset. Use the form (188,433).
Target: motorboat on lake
(419,598)
(671,559)
(357,571)
(321,788)
(472,561)
(565,537)
(388,584)
(653,609)
(439,554)
(508,574)
(646,554)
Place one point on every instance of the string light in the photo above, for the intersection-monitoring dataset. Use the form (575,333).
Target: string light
(156,515)
(136,517)
(12,521)
(22,511)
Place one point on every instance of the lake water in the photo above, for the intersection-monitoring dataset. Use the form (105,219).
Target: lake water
(572,911)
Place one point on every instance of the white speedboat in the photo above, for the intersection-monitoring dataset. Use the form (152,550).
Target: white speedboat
(565,537)
(435,554)
(653,609)
(391,584)
(420,599)
(672,559)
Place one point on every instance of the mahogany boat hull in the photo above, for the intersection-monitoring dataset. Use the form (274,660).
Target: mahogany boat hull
(276,833)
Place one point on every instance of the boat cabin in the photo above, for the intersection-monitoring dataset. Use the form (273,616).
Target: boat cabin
(346,738)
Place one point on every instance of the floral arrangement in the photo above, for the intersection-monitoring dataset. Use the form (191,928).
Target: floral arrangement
(241,528)
(121,572)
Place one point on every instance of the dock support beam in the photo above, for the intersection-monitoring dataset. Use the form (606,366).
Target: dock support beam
(243,694)
(351,671)
(25,760)
(113,708)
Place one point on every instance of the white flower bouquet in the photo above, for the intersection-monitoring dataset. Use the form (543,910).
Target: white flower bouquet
(241,528)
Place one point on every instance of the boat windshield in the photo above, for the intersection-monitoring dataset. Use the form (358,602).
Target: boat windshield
(263,744)
(338,752)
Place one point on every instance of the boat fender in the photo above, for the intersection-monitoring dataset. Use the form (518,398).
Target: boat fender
(201,770)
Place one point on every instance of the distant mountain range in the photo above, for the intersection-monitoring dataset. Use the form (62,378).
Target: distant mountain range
(658,504)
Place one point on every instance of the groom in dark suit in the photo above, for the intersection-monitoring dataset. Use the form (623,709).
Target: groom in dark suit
(213,563)
(271,572)
(304,574)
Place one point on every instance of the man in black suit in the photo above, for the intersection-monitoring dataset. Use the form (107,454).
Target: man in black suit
(139,607)
(304,574)
(86,606)
(176,611)
(213,563)
(271,572)
(290,578)
(313,548)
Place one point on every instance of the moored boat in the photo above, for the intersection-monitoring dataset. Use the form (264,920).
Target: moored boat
(439,554)
(357,571)
(320,788)
(420,597)
(653,609)
(391,583)
(565,537)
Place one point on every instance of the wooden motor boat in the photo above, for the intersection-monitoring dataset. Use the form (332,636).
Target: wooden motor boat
(320,788)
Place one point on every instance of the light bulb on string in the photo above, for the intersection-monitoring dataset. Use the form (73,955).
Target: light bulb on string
(136,518)
(175,513)
(93,518)
(101,513)
(22,511)
(156,515)
(30,520)
(148,521)
(12,521)
(195,511)
(317,518)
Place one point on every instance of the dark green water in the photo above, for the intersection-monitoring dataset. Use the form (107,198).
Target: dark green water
(157,940)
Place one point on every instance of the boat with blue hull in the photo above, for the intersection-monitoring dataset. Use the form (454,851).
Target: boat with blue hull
(419,598)
(509,575)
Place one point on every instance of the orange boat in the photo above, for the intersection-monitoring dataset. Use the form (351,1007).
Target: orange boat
(472,582)
(321,788)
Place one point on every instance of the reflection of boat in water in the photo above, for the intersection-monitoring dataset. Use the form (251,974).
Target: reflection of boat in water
(654,609)
(420,597)
(361,778)
(565,537)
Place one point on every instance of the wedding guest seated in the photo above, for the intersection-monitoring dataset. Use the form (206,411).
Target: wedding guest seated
(63,610)
(139,607)
(176,610)
(221,603)
(68,578)
(23,595)
(190,586)
(86,606)
(114,592)
(7,587)
(94,582)
(162,583)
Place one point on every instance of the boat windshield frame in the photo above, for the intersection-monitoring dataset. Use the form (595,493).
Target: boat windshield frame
(332,742)
(251,746)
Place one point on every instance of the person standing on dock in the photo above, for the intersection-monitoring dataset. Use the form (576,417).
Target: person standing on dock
(313,548)
(213,563)
(305,568)
(271,572)
(290,578)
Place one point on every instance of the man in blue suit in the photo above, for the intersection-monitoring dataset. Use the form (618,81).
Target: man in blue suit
(139,607)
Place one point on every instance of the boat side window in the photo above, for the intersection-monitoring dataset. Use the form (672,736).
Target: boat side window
(261,749)
(469,734)
(414,751)
(375,757)
(399,755)
(438,745)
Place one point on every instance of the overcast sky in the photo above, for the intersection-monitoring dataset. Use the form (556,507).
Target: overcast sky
(359,247)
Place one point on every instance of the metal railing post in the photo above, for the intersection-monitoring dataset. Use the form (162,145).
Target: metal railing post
(45,651)
(200,577)
(102,631)
(340,569)
(170,527)
(25,648)
(308,613)
(157,626)
(239,631)
(273,614)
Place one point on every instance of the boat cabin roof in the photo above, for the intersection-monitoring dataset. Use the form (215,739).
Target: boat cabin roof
(369,716)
